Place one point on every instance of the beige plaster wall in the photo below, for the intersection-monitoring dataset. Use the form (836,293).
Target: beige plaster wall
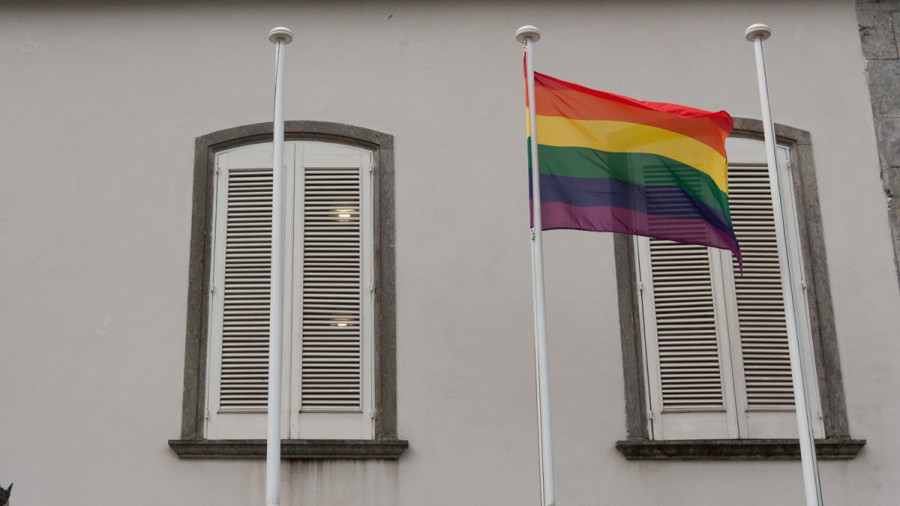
(101,104)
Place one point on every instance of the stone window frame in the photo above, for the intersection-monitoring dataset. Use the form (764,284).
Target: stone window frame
(837,443)
(385,444)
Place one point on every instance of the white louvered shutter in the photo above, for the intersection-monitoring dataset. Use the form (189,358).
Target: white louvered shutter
(690,381)
(238,343)
(333,281)
(245,313)
(715,342)
(759,329)
(331,343)
(329,252)
(690,376)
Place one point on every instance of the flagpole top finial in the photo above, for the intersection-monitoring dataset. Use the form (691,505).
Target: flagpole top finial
(280,33)
(757,31)
(528,32)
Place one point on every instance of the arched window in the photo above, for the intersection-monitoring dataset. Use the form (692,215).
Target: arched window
(705,348)
(338,340)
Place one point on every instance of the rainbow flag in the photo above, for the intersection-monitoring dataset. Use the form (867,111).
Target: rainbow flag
(610,163)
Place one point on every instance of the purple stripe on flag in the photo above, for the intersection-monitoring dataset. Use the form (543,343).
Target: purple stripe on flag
(657,200)
(558,215)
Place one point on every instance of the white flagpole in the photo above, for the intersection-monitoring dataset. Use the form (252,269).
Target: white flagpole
(757,34)
(281,37)
(528,35)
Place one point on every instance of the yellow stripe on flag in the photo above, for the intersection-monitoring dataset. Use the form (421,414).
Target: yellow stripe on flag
(624,137)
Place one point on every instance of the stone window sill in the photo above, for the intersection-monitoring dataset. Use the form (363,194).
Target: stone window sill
(736,449)
(291,449)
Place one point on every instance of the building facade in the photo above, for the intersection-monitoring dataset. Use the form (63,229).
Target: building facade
(135,197)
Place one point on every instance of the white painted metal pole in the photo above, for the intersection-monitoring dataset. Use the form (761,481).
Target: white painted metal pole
(528,35)
(757,34)
(281,37)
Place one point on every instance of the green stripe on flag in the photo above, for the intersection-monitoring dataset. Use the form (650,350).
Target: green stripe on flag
(636,168)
